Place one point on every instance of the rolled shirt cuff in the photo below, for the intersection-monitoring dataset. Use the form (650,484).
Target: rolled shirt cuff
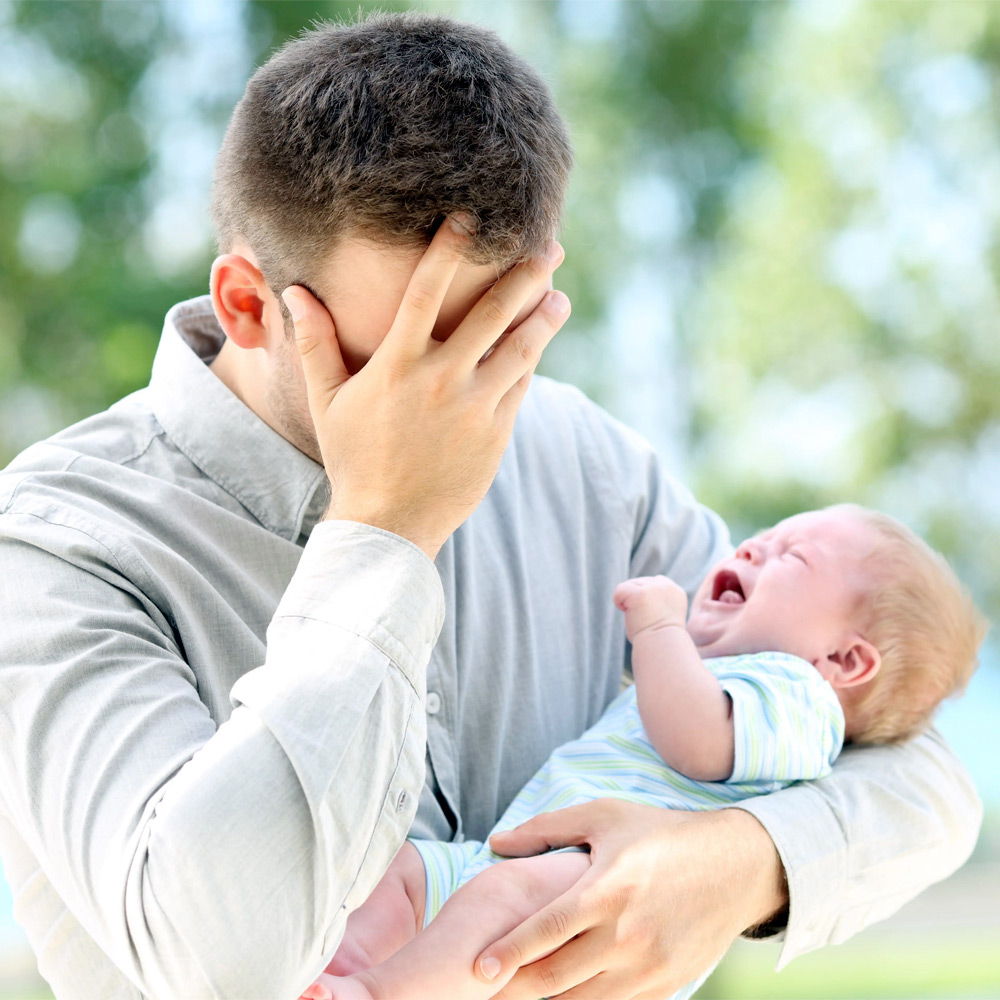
(815,866)
(370,582)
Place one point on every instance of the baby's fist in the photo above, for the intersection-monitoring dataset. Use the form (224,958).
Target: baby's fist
(650,601)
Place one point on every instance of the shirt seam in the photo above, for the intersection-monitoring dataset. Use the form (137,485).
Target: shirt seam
(70,527)
(137,453)
(385,804)
(28,477)
(800,934)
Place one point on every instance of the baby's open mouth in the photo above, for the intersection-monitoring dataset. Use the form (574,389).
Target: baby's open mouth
(726,588)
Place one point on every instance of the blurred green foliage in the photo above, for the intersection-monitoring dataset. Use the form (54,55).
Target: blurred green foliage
(812,189)
(844,341)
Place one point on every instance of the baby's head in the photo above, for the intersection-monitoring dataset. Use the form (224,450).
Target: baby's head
(861,597)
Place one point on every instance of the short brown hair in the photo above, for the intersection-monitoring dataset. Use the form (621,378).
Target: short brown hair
(380,128)
(923,623)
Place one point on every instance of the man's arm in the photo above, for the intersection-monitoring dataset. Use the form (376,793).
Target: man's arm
(854,847)
(179,846)
(666,894)
(857,845)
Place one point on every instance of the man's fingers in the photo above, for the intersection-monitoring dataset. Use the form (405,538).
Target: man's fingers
(506,411)
(611,984)
(517,355)
(575,973)
(537,937)
(418,312)
(499,306)
(570,827)
(316,339)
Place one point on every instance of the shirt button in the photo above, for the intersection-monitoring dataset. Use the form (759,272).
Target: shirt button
(401,801)
(433,703)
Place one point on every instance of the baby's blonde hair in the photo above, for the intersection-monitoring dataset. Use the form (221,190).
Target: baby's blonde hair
(923,623)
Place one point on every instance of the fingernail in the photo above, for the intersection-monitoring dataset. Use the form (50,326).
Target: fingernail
(294,303)
(558,302)
(462,223)
(490,967)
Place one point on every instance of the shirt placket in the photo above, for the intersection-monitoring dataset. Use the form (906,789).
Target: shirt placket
(442,705)
(442,748)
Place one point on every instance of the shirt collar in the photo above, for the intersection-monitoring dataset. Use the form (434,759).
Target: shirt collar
(282,487)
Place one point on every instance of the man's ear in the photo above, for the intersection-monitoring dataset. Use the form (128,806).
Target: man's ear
(856,662)
(239,296)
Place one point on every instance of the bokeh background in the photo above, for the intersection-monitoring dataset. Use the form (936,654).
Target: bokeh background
(783,250)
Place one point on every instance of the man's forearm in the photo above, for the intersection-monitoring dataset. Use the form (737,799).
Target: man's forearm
(341,778)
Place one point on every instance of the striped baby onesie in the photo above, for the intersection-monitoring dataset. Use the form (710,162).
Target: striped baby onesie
(788,724)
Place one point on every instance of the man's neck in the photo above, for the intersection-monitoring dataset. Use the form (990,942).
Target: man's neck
(228,367)
(246,375)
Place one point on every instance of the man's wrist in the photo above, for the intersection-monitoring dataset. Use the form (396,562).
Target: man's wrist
(429,546)
(767,888)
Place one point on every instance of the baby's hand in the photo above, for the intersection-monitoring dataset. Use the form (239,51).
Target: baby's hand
(651,602)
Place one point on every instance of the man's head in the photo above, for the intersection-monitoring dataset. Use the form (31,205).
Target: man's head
(378,130)
(348,149)
(867,602)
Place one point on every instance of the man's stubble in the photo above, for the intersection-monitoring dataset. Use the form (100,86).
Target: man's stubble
(287,402)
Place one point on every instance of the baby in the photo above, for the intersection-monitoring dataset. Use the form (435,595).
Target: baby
(835,625)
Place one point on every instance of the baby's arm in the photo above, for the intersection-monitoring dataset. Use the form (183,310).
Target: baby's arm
(686,714)
(385,921)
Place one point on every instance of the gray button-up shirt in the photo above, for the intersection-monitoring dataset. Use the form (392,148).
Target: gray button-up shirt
(220,719)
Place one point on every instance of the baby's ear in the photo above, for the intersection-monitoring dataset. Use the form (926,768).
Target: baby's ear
(857,662)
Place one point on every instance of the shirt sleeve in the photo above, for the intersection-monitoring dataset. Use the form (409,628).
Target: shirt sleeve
(787,721)
(886,823)
(179,845)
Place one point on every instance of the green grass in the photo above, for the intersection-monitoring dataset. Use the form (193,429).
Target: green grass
(944,966)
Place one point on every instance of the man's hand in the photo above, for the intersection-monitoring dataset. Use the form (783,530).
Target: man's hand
(666,894)
(412,442)
(650,602)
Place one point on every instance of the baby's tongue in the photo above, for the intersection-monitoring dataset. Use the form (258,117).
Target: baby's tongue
(730,597)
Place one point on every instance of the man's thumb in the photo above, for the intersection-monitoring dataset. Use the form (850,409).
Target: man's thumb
(316,339)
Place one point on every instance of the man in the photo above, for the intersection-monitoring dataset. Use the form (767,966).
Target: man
(189,810)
